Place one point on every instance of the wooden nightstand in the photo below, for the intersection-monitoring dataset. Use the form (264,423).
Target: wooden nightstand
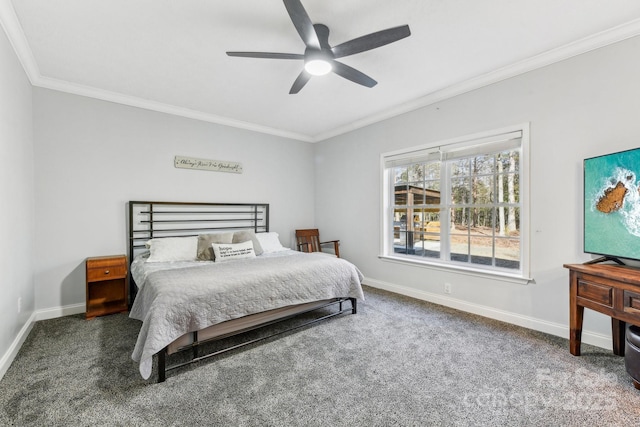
(107,285)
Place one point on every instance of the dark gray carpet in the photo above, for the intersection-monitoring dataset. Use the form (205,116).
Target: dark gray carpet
(398,361)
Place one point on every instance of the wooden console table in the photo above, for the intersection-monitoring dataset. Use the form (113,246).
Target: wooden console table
(610,289)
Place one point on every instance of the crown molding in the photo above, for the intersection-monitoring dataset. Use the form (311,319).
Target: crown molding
(105,95)
(584,45)
(11,25)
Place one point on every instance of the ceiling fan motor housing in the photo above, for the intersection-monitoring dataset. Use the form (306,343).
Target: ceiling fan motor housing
(319,57)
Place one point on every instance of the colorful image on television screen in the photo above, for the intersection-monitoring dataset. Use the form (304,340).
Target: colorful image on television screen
(612,204)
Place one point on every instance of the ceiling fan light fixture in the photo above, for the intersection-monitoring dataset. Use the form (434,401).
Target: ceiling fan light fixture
(319,56)
(318,67)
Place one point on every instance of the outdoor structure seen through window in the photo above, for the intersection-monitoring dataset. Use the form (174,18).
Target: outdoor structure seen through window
(458,204)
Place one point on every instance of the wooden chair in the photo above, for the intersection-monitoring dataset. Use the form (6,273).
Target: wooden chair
(309,241)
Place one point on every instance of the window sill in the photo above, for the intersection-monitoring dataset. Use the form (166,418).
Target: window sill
(497,275)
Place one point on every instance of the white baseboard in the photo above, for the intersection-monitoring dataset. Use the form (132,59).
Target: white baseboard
(11,353)
(55,312)
(48,313)
(557,329)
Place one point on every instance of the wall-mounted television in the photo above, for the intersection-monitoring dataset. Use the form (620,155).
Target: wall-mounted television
(612,205)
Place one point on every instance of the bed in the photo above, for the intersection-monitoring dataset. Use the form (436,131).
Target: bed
(203,272)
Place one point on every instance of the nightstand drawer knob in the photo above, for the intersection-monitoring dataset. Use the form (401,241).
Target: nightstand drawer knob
(106,272)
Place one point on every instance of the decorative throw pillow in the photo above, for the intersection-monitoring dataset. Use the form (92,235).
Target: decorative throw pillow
(270,242)
(205,251)
(229,251)
(173,249)
(246,235)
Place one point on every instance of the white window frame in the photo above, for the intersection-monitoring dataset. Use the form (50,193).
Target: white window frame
(467,142)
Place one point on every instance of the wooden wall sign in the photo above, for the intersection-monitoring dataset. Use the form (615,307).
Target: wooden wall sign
(207,164)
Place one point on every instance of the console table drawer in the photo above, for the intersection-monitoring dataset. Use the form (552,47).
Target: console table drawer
(632,302)
(596,292)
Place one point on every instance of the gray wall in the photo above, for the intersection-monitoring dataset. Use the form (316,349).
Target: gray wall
(17,198)
(93,156)
(578,108)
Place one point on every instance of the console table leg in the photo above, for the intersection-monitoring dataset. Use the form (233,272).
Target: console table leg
(617,332)
(575,325)
(576,313)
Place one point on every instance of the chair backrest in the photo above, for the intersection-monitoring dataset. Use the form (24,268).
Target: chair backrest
(308,240)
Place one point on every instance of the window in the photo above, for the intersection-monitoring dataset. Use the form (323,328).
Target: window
(460,203)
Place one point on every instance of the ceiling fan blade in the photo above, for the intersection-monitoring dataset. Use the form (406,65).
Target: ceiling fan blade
(303,23)
(302,80)
(352,74)
(371,41)
(268,55)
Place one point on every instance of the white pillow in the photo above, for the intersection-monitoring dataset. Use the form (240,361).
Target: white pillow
(270,242)
(173,249)
(230,251)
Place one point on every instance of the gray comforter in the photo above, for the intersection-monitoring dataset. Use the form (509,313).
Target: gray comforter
(173,302)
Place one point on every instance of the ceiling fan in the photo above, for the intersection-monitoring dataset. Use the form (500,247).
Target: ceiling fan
(319,57)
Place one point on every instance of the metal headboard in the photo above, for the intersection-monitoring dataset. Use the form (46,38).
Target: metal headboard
(152,220)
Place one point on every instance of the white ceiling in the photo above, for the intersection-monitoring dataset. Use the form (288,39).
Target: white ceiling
(169,55)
